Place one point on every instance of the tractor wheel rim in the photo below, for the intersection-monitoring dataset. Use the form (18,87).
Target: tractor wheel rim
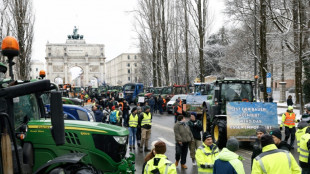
(216,132)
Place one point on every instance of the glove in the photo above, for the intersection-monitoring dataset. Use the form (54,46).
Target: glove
(280,128)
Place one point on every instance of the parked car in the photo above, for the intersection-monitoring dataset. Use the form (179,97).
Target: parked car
(171,103)
(74,112)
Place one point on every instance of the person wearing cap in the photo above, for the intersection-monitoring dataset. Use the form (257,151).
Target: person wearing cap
(177,110)
(306,116)
(133,123)
(183,136)
(277,139)
(228,161)
(146,124)
(138,134)
(257,148)
(196,128)
(301,130)
(274,160)
(160,163)
(289,120)
(206,154)
(304,161)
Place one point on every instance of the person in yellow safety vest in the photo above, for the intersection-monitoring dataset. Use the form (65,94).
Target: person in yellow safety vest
(289,120)
(206,154)
(302,127)
(133,123)
(274,160)
(146,124)
(304,152)
(304,161)
(228,161)
(160,163)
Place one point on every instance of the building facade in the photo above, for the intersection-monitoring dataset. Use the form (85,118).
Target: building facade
(123,69)
(35,67)
(61,58)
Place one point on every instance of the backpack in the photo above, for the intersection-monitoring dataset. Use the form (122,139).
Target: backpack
(113,118)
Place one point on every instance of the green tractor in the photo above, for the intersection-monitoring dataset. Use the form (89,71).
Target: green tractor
(33,141)
(215,116)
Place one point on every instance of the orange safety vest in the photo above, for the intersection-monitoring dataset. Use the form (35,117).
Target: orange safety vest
(290,119)
(122,105)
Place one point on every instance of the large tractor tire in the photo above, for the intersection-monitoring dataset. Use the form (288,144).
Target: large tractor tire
(204,120)
(219,132)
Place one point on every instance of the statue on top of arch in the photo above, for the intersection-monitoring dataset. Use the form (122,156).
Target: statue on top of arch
(75,35)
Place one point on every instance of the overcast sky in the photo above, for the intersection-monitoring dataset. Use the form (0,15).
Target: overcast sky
(100,21)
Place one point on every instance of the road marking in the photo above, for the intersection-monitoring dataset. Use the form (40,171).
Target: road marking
(166,141)
(162,127)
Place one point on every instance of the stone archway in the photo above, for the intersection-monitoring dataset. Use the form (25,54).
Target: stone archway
(59,80)
(75,53)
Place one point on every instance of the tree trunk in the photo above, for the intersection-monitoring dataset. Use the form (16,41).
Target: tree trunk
(186,42)
(153,33)
(159,80)
(263,50)
(296,50)
(201,40)
(165,42)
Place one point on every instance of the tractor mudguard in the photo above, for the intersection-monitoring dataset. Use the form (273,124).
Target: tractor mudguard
(68,158)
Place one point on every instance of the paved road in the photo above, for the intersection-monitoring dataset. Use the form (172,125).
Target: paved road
(162,129)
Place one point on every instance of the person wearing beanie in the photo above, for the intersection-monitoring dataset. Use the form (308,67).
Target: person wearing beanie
(277,139)
(273,160)
(133,123)
(228,161)
(160,163)
(145,119)
(196,127)
(257,148)
(206,154)
(289,120)
(301,130)
(304,152)
(183,136)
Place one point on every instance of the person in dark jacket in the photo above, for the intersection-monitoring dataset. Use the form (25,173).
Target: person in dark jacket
(160,104)
(257,148)
(98,114)
(152,104)
(228,161)
(196,128)
(270,98)
(126,113)
(289,101)
(277,137)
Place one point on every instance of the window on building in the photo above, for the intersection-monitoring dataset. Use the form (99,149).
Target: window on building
(135,64)
(49,54)
(102,54)
(128,71)
(65,54)
(101,49)
(136,79)
(37,69)
(65,49)
(129,79)
(128,57)
(128,64)
(135,57)
(30,69)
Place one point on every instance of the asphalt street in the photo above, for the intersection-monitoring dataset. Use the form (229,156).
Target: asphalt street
(162,129)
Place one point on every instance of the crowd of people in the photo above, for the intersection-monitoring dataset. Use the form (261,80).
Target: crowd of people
(270,154)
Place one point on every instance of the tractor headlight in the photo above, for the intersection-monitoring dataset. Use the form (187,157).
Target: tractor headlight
(120,140)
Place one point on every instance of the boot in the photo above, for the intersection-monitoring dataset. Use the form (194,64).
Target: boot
(133,147)
(130,148)
(146,149)
(183,166)
(194,162)
(140,149)
(176,163)
(138,144)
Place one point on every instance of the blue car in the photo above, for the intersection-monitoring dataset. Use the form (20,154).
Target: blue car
(74,112)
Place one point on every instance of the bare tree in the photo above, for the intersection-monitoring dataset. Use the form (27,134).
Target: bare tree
(22,28)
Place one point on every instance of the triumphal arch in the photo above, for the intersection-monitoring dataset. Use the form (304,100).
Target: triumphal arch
(61,57)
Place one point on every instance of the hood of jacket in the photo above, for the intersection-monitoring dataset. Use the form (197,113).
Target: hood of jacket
(227,155)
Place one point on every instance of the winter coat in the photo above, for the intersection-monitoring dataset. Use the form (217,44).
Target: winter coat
(283,145)
(196,128)
(289,102)
(228,162)
(152,102)
(126,109)
(98,115)
(182,132)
